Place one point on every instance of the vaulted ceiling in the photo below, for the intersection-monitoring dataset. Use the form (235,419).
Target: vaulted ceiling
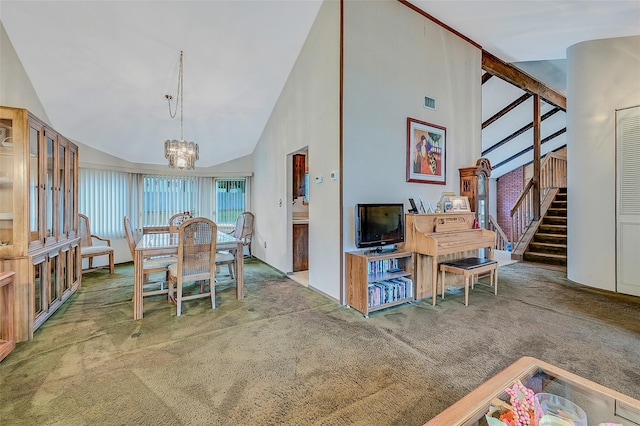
(102,68)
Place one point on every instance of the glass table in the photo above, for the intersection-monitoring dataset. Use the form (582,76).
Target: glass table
(602,405)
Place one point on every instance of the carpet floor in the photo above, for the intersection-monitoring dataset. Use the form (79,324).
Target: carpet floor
(286,355)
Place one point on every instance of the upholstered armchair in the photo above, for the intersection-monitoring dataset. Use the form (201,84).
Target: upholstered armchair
(89,250)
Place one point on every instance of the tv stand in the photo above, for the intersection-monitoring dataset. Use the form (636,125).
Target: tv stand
(379,280)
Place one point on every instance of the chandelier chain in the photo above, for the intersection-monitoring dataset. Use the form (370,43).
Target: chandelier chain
(179,95)
(181,154)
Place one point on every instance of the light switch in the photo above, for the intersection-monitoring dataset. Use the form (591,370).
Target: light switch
(334,175)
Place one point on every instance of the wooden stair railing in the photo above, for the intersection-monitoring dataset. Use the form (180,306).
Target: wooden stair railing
(553,174)
(501,237)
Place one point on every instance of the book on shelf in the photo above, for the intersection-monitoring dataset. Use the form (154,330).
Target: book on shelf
(375,267)
(389,291)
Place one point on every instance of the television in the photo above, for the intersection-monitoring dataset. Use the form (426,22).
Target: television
(379,225)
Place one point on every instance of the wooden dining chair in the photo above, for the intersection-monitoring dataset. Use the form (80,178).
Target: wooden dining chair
(176,220)
(88,250)
(150,265)
(196,261)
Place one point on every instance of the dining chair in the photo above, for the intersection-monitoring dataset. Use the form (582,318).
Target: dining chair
(176,220)
(196,260)
(244,229)
(88,250)
(150,265)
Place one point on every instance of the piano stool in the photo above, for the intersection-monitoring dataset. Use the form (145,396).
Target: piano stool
(471,268)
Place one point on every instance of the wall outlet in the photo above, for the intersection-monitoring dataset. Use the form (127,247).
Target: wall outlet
(265,244)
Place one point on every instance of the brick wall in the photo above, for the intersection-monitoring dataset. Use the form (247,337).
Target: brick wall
(509,187)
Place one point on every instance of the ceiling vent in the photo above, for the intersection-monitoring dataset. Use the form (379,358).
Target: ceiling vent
(430,103)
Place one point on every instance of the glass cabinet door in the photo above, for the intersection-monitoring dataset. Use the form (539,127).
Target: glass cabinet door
(65,277)
(62,190)
(6,182)
(40,288)
(34,182)
(54,282)
(50,142)
(72,205)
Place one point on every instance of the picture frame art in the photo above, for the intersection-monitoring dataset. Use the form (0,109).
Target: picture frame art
(426,152)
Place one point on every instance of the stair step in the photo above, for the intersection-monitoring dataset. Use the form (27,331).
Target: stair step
(557,211)
(542,237)
(553,229)
(553,259)
(554,220)
(547,248)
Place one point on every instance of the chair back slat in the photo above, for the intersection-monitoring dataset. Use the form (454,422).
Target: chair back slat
(177,219)
(85,231)
(197,247)
(130,237)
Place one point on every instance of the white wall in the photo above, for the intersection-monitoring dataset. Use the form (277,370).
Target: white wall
(306,114)
(16,89)
(394,57)
(602,76)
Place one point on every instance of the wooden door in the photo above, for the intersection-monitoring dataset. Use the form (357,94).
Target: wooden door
(300,247)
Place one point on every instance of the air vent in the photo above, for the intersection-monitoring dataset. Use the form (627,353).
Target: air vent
(430,103)
(627,412)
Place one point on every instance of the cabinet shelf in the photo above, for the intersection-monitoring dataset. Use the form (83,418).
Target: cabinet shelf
(371,287)
(383,276)
(390,304)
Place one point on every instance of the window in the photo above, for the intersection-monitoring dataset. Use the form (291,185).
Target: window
(230,200)
(106,196)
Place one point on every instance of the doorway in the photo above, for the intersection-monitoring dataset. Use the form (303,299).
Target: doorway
(299,217)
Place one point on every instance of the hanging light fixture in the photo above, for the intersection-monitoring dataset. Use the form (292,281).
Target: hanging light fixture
(181,154)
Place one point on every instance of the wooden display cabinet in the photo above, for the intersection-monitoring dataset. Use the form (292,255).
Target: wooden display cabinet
(368,275)
(474,184)
(38,217)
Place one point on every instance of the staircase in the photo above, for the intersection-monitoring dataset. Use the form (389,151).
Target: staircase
(549,243)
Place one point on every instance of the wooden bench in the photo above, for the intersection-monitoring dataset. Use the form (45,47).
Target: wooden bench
(470,267)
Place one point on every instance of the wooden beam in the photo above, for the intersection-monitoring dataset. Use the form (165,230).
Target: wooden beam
(439,22)
(537,123)
(496,66)
(518,132)
(486,76)
(506,109)
(529,148)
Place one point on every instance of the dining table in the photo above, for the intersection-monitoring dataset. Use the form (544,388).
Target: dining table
(166,243)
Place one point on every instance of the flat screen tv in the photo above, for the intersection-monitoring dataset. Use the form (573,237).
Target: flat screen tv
(379,225)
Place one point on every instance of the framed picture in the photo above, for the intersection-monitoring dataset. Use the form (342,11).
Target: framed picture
(425,152)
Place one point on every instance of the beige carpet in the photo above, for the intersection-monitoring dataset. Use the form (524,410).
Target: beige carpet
(286,355)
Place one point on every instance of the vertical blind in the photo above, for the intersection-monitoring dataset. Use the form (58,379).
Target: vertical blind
(106,196)
(164,196)
(230,200)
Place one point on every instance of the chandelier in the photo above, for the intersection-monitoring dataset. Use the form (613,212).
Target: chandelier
(181,154)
